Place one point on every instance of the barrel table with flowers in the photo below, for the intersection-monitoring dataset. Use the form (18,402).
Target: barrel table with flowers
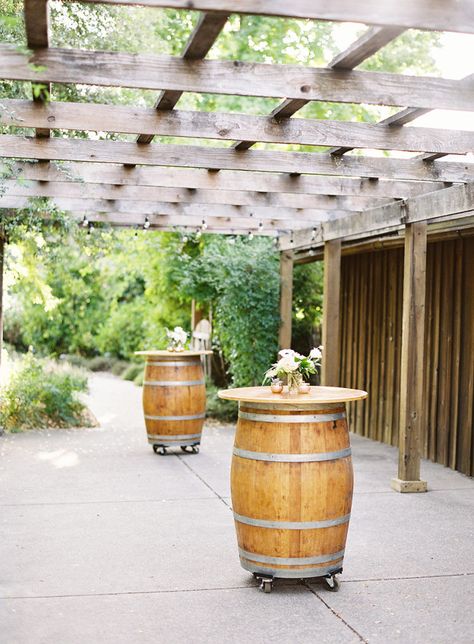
(174,399)
(291,481)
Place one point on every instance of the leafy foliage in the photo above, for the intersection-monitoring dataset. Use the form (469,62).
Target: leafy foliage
(241,281)
(41,394)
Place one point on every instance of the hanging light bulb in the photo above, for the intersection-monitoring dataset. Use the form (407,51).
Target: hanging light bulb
(313,234)
(198,233)
(203,225)
(184,239)
(311,251)
(232,240)
(85,222)
(90,227)
(147,224)
(276,241)
(292,241)
(250,235)
(260,225)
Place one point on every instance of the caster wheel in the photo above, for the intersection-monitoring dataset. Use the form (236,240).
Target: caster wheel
(266,585)
(193,449)
(159,449)
(332,584)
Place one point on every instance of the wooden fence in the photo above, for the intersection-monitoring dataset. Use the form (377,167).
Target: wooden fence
(371,304)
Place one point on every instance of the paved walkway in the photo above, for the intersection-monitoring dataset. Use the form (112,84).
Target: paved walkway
(102,541)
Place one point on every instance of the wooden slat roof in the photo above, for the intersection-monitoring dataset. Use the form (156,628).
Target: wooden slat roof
(303,197)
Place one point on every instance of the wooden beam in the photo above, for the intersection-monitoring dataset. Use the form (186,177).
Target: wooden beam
(158,221)
(208,28)
(412,360)
(36,14)
(264,161)
(138,193)
(331,313)
(451,202)
(450,15)
(286,300)
(403,117)
(252,217)
(118,118)
(371,41)
(119,69)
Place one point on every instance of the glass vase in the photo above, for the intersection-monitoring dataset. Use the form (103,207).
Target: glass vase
(294,380)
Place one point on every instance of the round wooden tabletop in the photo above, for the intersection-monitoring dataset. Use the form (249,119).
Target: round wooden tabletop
(163,353)
(315,395)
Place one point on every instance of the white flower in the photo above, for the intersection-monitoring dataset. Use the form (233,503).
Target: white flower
(286,352)
(271,373)
(316,354)
(178,335)
(287,364)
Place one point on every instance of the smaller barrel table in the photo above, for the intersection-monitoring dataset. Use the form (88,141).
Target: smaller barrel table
(291,482)
(174,399)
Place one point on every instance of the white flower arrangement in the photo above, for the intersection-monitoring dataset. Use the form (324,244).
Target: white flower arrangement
(294,367)
(177,338)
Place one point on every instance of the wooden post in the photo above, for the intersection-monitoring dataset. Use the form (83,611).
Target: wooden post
(412,360)
(286,299)
(331,313)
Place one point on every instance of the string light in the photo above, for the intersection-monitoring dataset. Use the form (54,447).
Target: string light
(313,234)
(250,235)
(90,227)
(85,222)
(203,225)
(292,241)
(198,233)
(260,225)
(147,224)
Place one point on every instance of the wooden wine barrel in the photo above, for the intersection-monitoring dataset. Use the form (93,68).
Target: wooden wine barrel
(291,484)
(174,398)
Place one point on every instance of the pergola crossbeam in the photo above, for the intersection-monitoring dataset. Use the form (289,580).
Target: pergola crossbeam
(304,205)
(236,78)
(200,42)
(408,175)
(451,202)
(449,15)
(118,118)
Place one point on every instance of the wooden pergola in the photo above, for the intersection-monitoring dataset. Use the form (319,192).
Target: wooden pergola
(312,202)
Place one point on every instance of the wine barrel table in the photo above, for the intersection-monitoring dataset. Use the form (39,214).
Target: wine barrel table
(174,399)
(291,482)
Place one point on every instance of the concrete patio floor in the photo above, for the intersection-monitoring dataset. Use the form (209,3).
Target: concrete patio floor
(105,542)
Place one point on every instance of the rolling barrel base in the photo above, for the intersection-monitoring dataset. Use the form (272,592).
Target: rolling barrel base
(189,448)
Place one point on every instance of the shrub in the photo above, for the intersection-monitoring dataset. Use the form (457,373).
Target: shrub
(132,372)
(101,363)
(119,367)
(75,360)
(224,410)
(42,394)
(138,380)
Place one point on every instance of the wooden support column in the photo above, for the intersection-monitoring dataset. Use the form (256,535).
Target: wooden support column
(331,313)
(286,299)
(412,360)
